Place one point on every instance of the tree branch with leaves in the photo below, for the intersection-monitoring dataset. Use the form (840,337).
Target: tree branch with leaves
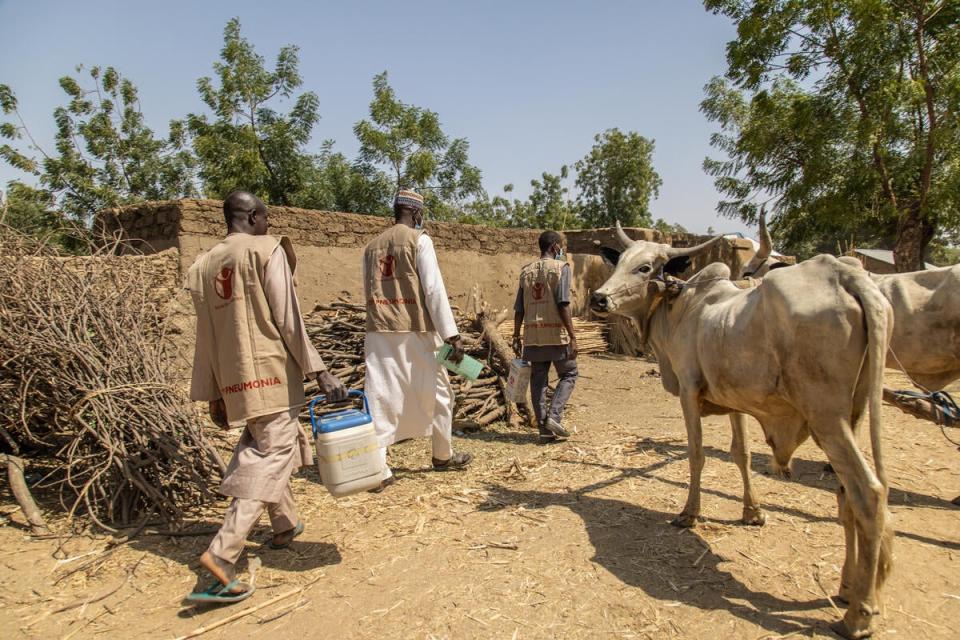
(846,114)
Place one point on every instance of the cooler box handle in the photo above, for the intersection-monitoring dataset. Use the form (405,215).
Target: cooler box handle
(353,393)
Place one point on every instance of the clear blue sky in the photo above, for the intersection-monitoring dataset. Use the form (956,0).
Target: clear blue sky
(528,83)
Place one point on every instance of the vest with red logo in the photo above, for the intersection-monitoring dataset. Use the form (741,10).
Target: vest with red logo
(391,284)
(254,370)
(542,324)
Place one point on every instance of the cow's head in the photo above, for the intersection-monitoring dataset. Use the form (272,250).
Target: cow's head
(627,290)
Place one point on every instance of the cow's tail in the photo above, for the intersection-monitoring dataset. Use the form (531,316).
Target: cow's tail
(878,318)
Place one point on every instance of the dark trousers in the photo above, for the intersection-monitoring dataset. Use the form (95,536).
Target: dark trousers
(567,371)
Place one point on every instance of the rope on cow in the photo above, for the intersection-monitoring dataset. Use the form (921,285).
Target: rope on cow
(947,411)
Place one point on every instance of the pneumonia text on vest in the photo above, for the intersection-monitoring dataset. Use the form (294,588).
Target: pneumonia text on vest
(374,301)
(242,387)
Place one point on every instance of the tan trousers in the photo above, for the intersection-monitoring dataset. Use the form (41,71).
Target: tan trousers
(242,516)
(258,477)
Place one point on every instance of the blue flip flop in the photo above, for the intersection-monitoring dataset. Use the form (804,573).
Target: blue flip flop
(297,530)
(218,592)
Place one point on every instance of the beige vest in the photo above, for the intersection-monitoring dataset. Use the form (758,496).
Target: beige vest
(391,285)
(542,324)
(256,374)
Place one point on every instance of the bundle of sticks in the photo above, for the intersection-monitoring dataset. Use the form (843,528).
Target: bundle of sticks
(337,330)
(625,336)
(590,334)
(86,399)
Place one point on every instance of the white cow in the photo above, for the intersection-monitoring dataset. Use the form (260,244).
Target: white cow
(803,354)
(926,312)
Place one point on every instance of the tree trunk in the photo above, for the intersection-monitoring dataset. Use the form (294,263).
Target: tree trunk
(913,236)
(488,322)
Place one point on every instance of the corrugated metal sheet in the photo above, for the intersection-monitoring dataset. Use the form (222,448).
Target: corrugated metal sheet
(884,255)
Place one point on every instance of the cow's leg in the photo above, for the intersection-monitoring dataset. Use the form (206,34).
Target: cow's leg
(847,519)
(740,452)
(691,416)
(865,498)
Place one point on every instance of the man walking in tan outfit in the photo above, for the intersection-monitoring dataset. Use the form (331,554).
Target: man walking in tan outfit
(251,357)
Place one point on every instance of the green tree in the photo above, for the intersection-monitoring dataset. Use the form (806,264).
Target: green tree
(616,180)
(340,185)
(32,212)
(498,211)
(665,227)
(104,154)
(548,206)
(944,255)
(846,111)
(247,144)
(410,143)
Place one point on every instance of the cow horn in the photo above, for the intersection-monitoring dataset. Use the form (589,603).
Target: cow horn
(692,251)
(625,240)
(766,243)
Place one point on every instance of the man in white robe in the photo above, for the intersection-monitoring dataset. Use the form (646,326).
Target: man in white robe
(408,320)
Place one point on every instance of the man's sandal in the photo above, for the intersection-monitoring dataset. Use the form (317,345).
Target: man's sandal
(223,593)
(296,531)
(546,436)
(383,485)
(457,462)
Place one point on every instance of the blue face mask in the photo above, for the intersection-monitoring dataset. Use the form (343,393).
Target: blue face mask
(419,224)
(560,254)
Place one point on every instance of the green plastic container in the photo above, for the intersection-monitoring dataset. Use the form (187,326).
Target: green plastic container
(469,368)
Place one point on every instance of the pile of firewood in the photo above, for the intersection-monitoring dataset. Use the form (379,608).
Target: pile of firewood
(337,330)
(625,336)
(85,397)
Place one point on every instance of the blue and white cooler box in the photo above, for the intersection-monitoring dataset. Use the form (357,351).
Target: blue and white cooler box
(348,457)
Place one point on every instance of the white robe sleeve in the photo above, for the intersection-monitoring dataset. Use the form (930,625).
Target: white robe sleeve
(285,308)
(434,292)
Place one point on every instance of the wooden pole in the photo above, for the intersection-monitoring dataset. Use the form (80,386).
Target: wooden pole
(18,485)
(917,407)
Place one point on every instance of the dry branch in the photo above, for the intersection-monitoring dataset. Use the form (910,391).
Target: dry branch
(18,486)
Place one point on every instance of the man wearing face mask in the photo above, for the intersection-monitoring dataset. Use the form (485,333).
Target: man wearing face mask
(408,320)
(543,309)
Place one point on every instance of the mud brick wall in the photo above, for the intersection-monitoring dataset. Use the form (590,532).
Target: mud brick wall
(329,244)
(329,248)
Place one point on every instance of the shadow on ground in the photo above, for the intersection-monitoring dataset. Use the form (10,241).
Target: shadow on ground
(301,556)
(809,473)
(640,548)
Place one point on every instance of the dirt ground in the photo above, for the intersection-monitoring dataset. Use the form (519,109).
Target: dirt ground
(567,540)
